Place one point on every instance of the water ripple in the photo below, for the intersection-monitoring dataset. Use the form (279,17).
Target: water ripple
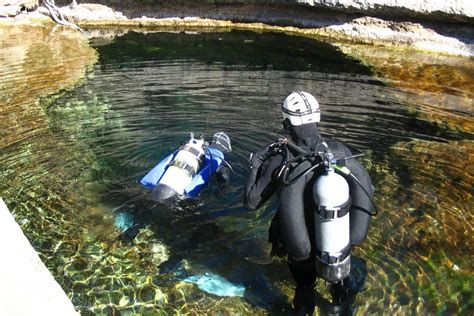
(71,161)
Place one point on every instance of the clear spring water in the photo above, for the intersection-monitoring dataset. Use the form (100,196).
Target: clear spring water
(70,165)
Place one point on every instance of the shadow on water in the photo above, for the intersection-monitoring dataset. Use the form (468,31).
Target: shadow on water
(239,49)
(203,246)
(198,244)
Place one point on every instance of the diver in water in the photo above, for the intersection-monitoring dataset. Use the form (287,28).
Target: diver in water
(190,168)
(325,200)
(182,174)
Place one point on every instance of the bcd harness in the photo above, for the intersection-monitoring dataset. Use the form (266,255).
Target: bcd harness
(317,159)
(331,184)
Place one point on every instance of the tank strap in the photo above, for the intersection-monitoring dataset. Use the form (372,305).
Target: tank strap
(332,258)
(185,166)
(193,151)
(334,211)
(189,169)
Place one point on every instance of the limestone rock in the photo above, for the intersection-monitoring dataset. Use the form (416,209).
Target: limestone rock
(13,7)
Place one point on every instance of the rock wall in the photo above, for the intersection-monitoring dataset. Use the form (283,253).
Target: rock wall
(13,7)
(461,8)
(338,20)
(439,10)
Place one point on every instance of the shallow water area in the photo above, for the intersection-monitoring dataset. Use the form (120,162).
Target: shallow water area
(71,159)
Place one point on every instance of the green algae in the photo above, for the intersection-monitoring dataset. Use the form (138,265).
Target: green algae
(100,273)
(440,87)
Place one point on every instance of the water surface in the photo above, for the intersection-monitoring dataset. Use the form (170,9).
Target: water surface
(67,178)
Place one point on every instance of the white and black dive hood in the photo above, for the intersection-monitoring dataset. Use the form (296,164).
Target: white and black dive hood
(221,141)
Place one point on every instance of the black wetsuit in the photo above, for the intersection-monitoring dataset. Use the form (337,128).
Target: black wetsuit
(293,225)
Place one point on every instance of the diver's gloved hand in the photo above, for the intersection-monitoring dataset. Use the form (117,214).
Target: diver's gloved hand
(256,159)
(222,173)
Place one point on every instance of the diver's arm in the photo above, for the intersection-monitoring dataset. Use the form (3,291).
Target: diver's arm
(223,173)
(261,182)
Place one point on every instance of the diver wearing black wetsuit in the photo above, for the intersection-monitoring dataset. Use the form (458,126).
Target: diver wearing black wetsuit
(292,229)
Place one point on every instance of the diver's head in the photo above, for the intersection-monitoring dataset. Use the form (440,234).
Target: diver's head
(301,114)
(221,141)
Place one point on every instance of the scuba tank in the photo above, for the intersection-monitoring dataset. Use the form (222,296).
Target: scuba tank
(332,201)
(181,170)
(331,220)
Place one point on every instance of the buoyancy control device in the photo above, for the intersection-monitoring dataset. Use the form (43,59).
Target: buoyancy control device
(331,221)
(181,169)
(331,205)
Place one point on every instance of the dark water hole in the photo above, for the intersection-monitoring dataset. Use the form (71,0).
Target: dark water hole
(67,179)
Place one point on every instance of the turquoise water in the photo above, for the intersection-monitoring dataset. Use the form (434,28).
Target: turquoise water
(68,178)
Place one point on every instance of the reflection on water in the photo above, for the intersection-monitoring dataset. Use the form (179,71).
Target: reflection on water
(72,163)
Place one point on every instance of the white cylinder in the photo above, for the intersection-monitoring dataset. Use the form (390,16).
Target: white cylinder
(184,166)
(332,230)
(332,235)
(331,191)
(176,178)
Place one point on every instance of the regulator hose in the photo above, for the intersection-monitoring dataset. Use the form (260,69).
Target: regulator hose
(228,165)
(340,171)
(282,174)
(210,171)
(345,172)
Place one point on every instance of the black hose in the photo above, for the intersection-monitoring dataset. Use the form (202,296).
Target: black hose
(295,147)
(366,193)
(305,154)
(228,165)
(210,171)
(302,174)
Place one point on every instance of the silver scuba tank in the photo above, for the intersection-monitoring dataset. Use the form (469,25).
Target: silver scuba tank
(332,202)
(181,170)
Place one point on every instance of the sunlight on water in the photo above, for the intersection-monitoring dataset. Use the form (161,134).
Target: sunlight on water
(71,161)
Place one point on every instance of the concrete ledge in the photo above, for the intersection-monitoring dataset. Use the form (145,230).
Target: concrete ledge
(26,285)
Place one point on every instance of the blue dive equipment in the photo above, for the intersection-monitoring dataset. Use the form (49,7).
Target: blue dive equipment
(181,170)
(187,170)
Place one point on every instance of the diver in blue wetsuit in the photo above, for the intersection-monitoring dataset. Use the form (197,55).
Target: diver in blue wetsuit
(325,199)
(190,168)
(185,172)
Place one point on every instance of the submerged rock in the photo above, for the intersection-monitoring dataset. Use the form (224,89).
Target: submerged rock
(436,203)
(434,88)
